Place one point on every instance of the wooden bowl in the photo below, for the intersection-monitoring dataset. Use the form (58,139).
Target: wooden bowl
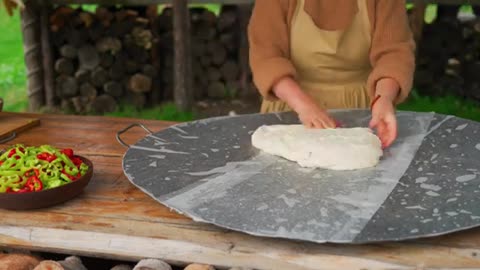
(47,197)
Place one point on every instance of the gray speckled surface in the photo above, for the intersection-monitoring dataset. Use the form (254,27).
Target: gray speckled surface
(426,184)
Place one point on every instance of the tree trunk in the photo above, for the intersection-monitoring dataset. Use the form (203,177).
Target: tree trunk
(153,70)
(243,63)
(183,76)
(47,56)
(32,48)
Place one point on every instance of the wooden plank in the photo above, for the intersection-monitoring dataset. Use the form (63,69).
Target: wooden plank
(241,251)
(113,219)
(11,125)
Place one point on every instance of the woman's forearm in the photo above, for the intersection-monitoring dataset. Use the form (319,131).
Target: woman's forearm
(288,90)
(387,88)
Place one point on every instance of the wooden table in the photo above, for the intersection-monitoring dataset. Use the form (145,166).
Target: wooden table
(113,219)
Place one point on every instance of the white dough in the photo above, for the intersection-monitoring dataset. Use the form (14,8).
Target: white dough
(334,149)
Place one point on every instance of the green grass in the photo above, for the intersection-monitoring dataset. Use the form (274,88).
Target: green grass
(167,112)
(12,67)
(444,105)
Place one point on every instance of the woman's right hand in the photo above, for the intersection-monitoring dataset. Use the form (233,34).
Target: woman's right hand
(310,114)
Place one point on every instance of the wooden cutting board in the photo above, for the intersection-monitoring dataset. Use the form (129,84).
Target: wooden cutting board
(12,123)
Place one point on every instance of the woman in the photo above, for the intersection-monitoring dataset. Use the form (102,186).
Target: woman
(313,55)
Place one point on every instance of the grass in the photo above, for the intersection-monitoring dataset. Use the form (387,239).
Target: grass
(444,105)
(167,112)
(12,67)
(13,79)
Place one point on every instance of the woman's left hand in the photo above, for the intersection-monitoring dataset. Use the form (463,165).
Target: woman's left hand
(384,121)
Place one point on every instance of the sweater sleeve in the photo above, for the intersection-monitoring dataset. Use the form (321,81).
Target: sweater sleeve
(393,48)
(269,45)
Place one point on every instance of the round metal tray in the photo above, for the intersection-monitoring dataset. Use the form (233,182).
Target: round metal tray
(427,184)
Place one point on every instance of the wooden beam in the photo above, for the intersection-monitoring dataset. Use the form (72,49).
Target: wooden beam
(182,61)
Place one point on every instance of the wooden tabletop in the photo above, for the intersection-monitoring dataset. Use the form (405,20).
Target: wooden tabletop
(114,219)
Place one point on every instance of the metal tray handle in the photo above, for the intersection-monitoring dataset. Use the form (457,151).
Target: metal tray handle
(9,138)
(126,129)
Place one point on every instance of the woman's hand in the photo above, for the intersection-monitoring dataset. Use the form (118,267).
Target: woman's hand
(310,114)
(384,119)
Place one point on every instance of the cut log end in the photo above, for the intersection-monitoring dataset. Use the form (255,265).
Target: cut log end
(104,104)
(140,83)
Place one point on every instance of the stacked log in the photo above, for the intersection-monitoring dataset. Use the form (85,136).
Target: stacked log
(215,46)
(102,58)
(448,57)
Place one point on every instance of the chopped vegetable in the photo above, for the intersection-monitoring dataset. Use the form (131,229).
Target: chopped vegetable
(29,169)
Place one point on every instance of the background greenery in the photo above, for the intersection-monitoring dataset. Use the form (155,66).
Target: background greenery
(13,80)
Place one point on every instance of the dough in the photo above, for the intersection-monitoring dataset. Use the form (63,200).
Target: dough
(334,149)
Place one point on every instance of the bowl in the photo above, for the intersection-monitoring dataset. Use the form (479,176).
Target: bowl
(47,197)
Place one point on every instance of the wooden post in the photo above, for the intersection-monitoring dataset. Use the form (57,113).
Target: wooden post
(152,15)
(30,20)
(182,60)
(47,56)
(244,12)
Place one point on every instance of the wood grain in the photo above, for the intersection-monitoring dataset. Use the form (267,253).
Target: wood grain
(114,219)
(12,125)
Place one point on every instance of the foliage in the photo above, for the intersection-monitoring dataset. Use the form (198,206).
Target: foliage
(12,67)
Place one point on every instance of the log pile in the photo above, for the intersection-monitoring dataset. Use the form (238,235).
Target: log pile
(215,52)
(448,57)
(117,55)
(101,58)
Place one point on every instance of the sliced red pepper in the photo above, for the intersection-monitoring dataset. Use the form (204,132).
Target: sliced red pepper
(36,172)
(34,184)
(12,152)
(77,161)
(46,156)
(68,152)
(1,162)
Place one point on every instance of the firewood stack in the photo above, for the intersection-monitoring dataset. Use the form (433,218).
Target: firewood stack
(215,49)
(448,57)
(101,58)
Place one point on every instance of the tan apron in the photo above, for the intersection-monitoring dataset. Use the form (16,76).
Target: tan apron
(332,66)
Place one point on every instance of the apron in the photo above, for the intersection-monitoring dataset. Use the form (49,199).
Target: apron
(332,66)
